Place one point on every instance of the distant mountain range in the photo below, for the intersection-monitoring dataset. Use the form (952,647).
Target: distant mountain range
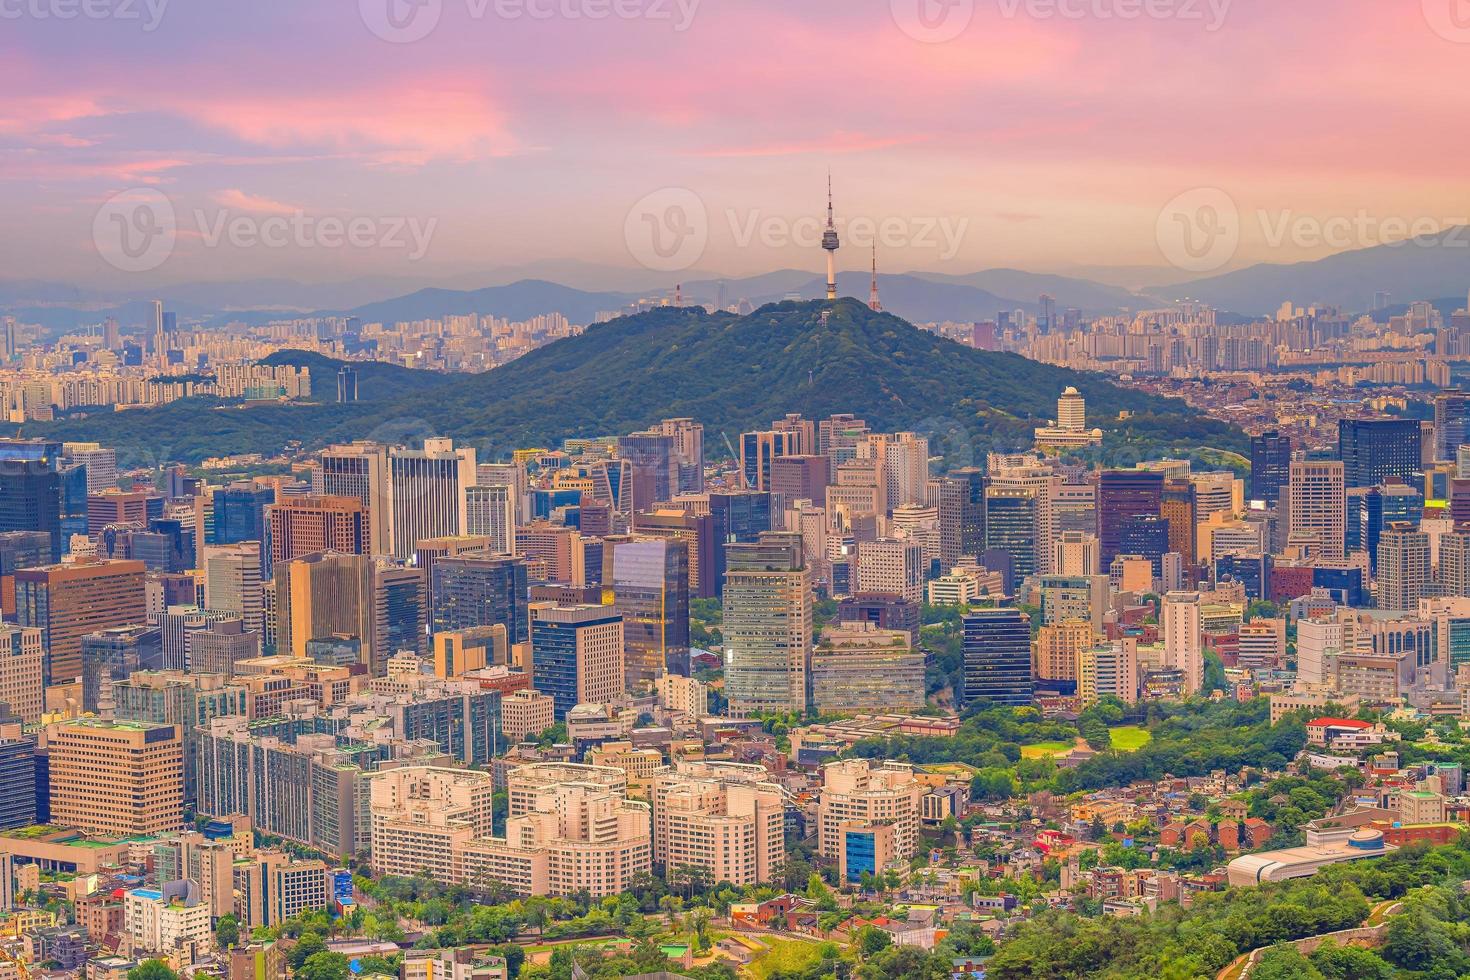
(732,373)
(1435,268)
(1429,268)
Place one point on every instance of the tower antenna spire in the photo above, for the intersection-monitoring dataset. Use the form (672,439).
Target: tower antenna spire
(830,243)
(873,303)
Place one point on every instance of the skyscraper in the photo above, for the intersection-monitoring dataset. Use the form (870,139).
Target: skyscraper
(302,526)
(997,647)
(30,499)
(239,513)
(1180,627)
(1011,526)
(66,602)
(758,449)
(1122,494)
(481,589)
(1317,505)
(233,583)
(649,579)
(1378,451)
(577,655)
(1270,466)
(1404,572)
(1451,423)
(688,449)
(324,594)
(428,492)
(767,624)
(491,512)
(654,470)
(360,470)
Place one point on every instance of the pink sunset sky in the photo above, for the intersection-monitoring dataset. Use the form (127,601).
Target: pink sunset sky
(1052,132)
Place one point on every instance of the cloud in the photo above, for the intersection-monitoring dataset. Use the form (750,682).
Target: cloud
(237,200)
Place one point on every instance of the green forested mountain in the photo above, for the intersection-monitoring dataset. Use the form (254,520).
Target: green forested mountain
(732,373)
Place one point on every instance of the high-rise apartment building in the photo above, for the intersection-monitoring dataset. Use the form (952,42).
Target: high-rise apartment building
(423,817)
(858,794)
(66,602)
(767,624)
(1180,628)
(124,779)
(725,817)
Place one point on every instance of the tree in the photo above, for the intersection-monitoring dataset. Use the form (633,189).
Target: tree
(152,970)
(227,931)
(308,945)
(1284,962)
(872,941)
(1349,963)
(324,966)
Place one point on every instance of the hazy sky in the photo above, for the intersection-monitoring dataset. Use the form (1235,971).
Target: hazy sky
(696,134)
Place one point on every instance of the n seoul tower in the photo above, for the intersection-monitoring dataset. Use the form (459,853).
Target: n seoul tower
(830,244)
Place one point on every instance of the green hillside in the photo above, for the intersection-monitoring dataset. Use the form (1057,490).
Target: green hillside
(732,373)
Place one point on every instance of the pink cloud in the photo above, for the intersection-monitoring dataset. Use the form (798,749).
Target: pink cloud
(238,200)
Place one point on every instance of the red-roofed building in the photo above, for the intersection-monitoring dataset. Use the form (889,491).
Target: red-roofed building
(1321,731)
